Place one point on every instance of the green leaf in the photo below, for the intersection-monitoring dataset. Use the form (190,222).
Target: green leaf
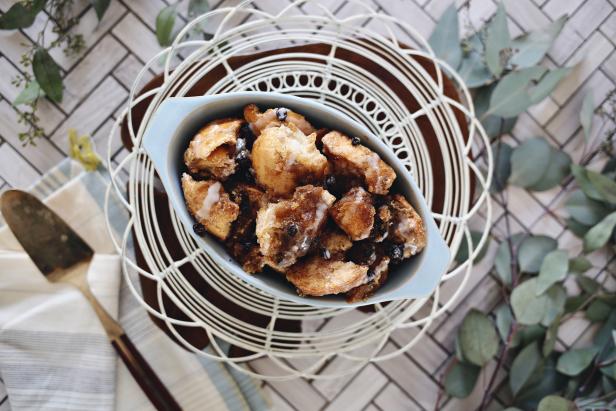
(30,93)
(530,308)
(502,263)
(558,168)
(533,250)
(598,311)
(530,48)
(604,335)
(529,333)
(47,74)
(573,362)
(523,366)
(100,7)
(20,16)
(598,236)
(555,403)
(587,284)
(576,227)
(585,210)
(543,382)
(472,68)
(529,162)
(164,25)
(510,97)
(554,268)
(501,153)
(198,7)
(463,254)
(504,318)
(605,186)
(497,40)
(586,114)
(581,177)
(477,338)
(494,126)
(550,337)
(461,379)
(574,303)
(445,40)
(579,265)
(547,84)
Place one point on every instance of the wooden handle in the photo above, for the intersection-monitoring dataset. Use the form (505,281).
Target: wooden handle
(144,375)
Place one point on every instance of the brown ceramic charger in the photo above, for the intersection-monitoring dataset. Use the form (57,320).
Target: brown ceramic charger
(196,336)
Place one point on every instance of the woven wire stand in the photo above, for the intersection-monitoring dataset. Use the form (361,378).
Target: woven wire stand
(355,92)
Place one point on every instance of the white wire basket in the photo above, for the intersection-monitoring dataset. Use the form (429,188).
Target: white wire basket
(462,153)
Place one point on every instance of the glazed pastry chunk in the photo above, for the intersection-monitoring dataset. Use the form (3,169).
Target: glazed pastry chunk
(211,152)
(334,242)
(350,157)
(274,117)
(408,228)
(287,229)
(382,222)
(284,157)
(211,206)
(316,276)
(354,213)
(377,275)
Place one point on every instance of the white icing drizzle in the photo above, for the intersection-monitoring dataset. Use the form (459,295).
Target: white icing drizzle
(373,163)
(211,198)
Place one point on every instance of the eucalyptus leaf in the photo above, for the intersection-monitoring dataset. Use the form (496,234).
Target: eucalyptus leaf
(494,126)
(533,250)
(504,319)
(555,304)
(586,114)
(529,162)
(20,15)
(461,379)
(604,336)
(574,303)
(501,152)
(445,40)
(198,7)
(497,40)
(47,74)
(558,168)
(579,265)
(589,285)
(545,381)
(554,268)
(555,403)
(576,227)
(164,25)
(530,308)
(473,70)
(477,338)
(529,48)
(502,263)
(598,236)
(575,361)
(581,177)
(547,84)
(605,186)
(523,366)
(598,311)
(585,210)
(511,95)
(463,255)
(30,93)
(100,7)
(550,337)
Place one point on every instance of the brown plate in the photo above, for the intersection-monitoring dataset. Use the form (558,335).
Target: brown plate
(197,336)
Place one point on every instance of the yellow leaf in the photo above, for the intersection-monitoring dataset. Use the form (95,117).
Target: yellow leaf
(81,150)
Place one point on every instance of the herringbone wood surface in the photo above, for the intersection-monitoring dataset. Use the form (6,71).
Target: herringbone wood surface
(97,84)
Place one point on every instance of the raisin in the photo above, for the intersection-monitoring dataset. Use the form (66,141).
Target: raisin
(243,158)
(247,135)
(371,275)
(330,182)
(362,252)
(396,252)
(355,141)
(199,229)
(281,113)
(292,229)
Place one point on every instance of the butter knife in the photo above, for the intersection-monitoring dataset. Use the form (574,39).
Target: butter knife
(63,257)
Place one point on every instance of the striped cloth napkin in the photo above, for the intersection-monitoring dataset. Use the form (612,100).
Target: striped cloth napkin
(53,352)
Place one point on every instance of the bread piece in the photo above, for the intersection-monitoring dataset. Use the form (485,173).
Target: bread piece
(408,227)
(316,276)
(335,241)
(211,152)
(377,276)
(382,223)
(354,213)
(284,157)
(275,117)
(210,205)
(287,229)
(359,161)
